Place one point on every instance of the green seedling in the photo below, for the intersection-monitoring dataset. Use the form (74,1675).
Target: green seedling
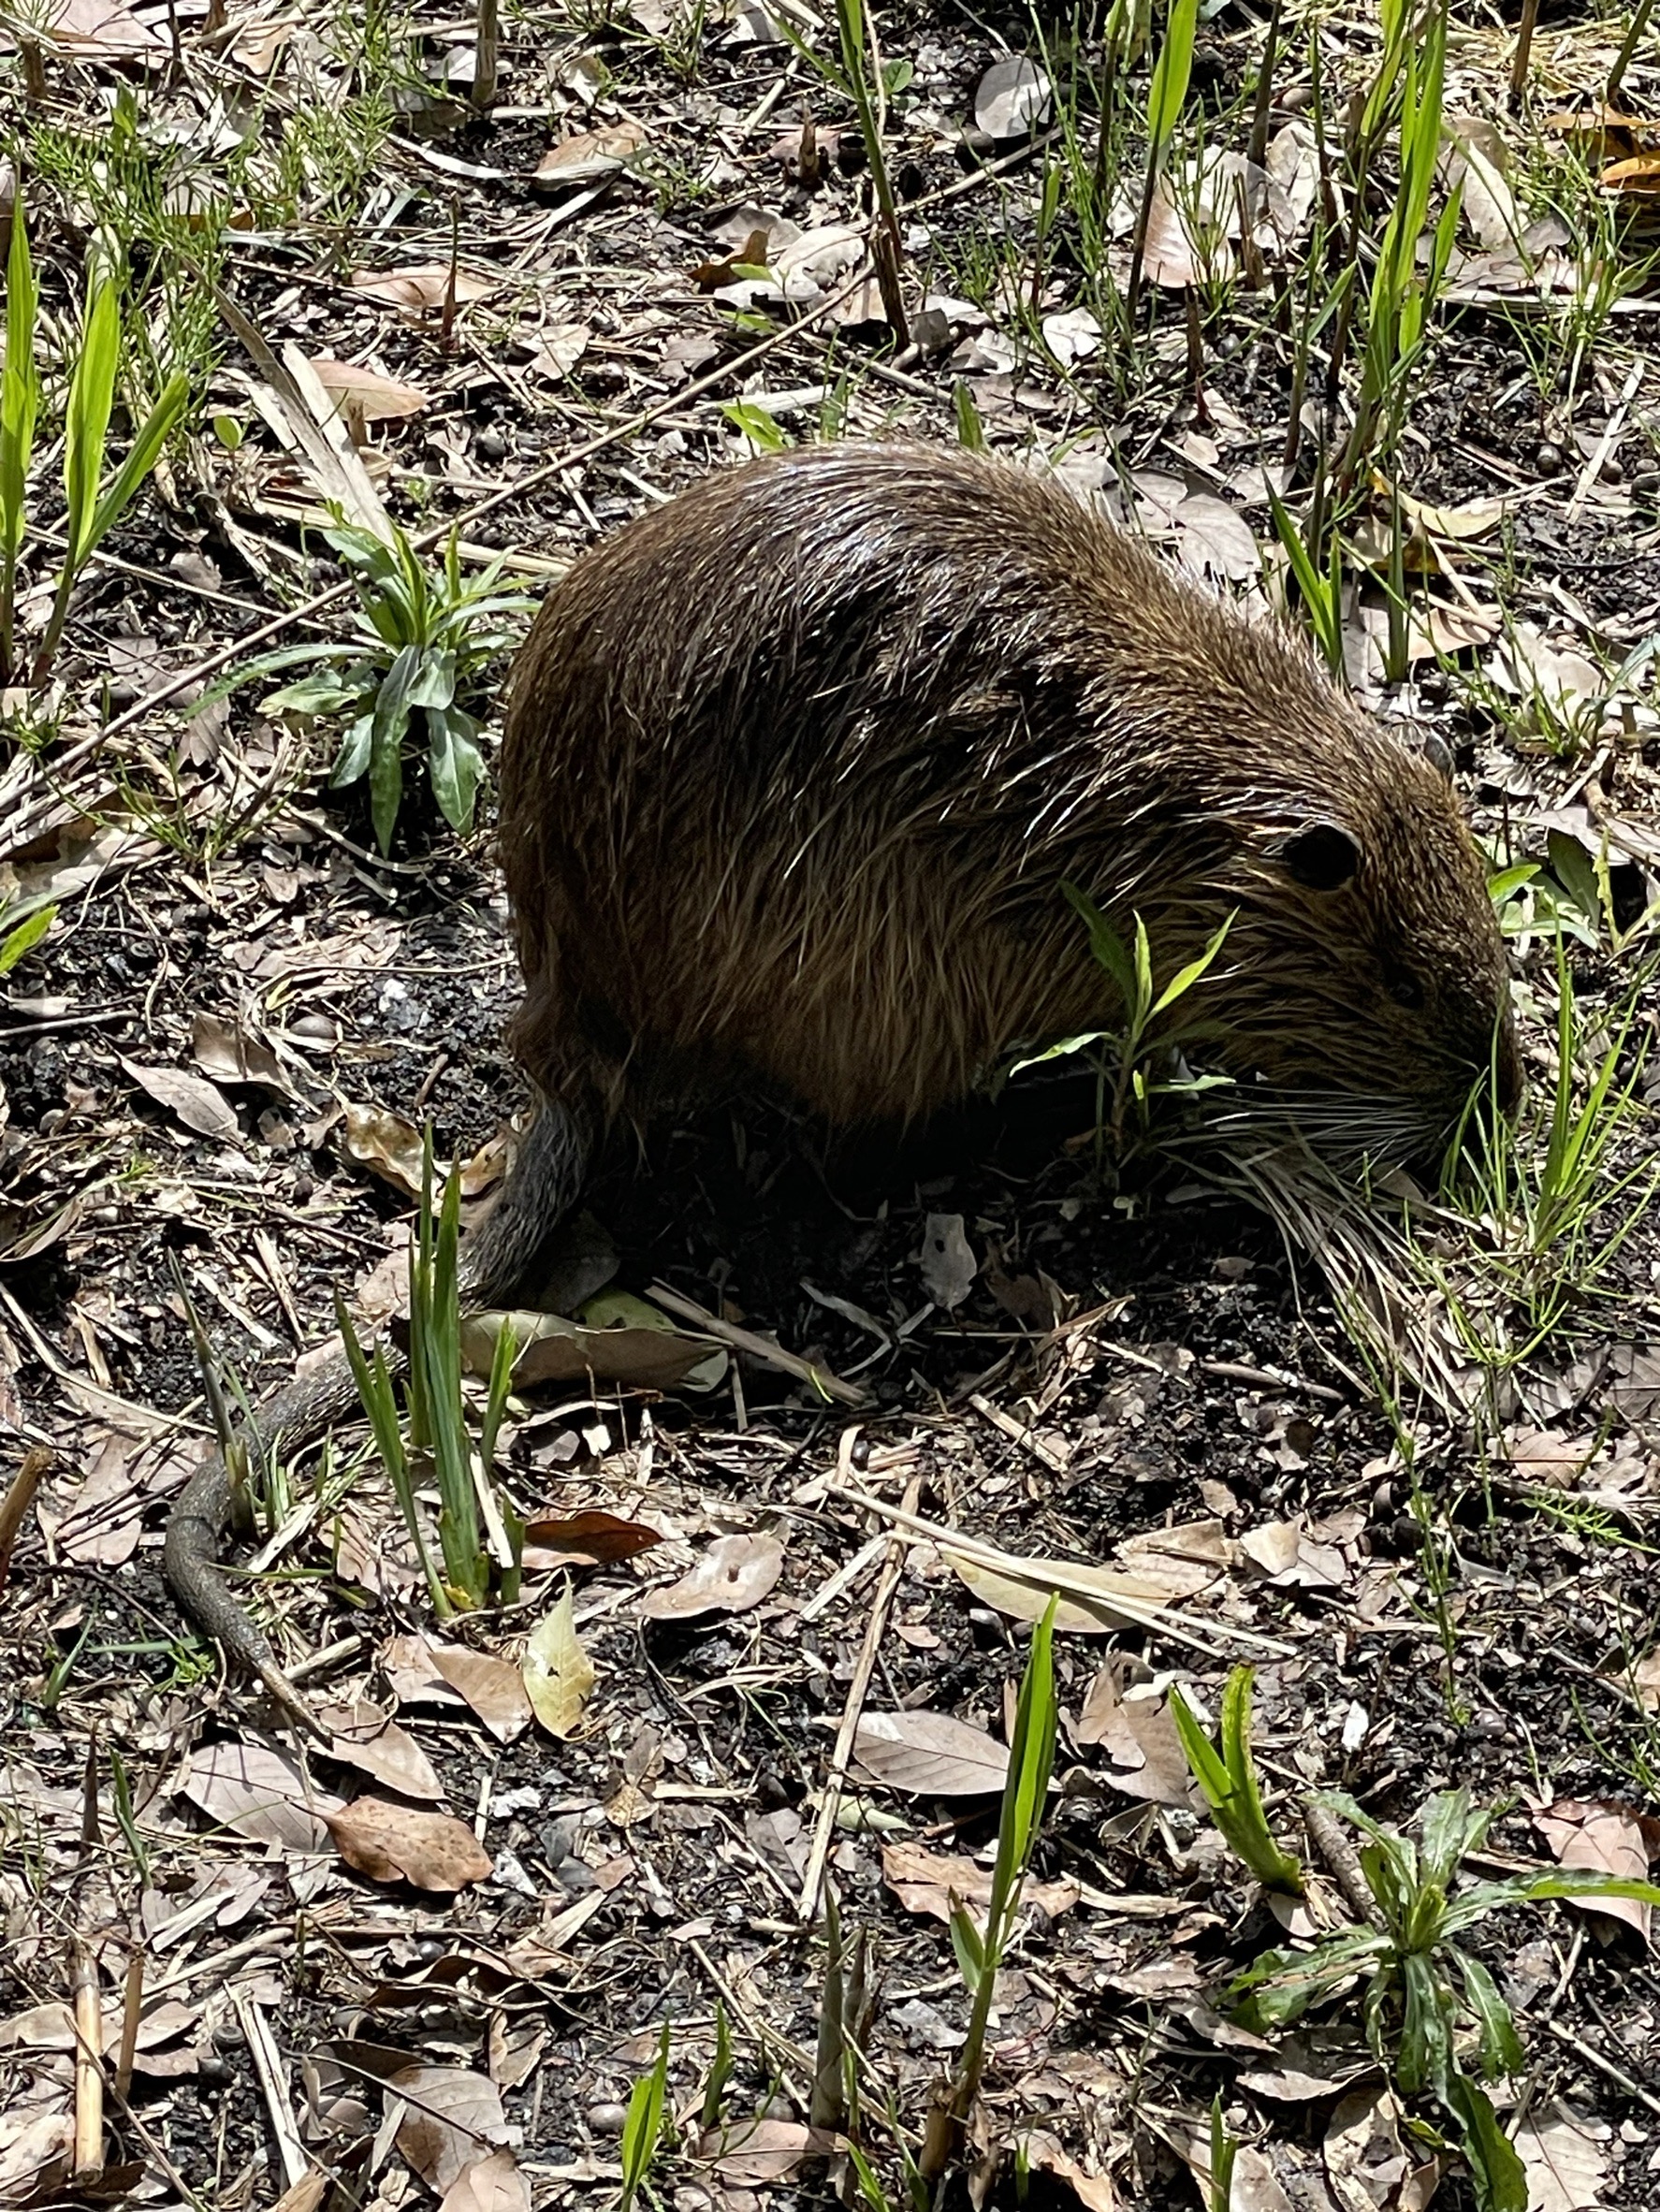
(1547,1205)
(94,505)
(861,80)
(19,406)
(1166,98)
(714,2090)
(1430,2005)
(424,640)
(1224,2151)
(1227,1774)
(22,924)
(437,1421)
(1321,593)
(1122,1071)
(981,1952)
(642,2131)
(1401,294)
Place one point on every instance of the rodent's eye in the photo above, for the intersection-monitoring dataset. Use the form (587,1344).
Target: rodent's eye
(1403,988)
(1322,857)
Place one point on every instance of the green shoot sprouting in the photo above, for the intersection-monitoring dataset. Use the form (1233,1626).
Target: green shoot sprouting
(94,505)
(643,2128)
(1122,1074)
(1423,1985)
(1227,1773)
(19,406)
(980,1952)
(1166,98)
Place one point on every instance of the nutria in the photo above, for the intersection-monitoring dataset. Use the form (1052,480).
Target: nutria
(794,770)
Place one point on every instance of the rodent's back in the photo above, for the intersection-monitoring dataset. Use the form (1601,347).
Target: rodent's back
(796,766)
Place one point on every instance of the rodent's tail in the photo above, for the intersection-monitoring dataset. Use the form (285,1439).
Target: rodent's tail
(542,1183)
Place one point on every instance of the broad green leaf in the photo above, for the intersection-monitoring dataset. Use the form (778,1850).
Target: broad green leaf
(453,765)
(1501,2046)
(25,937)
(1496,2170)
(1185,978)
(352,756)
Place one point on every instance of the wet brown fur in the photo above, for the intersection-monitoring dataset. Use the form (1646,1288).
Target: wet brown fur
(795,769)
(796,766)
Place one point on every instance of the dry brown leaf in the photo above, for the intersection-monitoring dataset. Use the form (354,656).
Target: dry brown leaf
(733,1575)
(374,398)
(930,1754)
(926,1880)
(367,1738)
(947,1263)
(1608,1840)
(553,1349)
(195,1102)
(587,156)
(398,1843)
(1139,1738)
(261,1795)
(1645,1679)
(456,2122)
(709,276)
(226,1053)
(98,1523)
(386,1143)
(557,1672)
(417,290)
(590,1538)
(102,28)
(492,2185)
(1042,2154)
(1366,2163)
(1022,1589)
(1566,2159)
(760,2153)
(35,2147)
(494,1688)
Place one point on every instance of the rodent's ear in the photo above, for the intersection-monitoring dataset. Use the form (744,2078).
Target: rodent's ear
(1322,857)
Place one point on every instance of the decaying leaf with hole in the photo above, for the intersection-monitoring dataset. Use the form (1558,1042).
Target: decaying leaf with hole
(734,1573)
(398,1844)
(557,1672)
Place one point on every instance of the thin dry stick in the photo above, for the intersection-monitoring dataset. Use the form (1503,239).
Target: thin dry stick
(874,1628)
(1087,1586)
(1523,54)
(267,2065)
(132,2005)
(745,1340)
(89,2067)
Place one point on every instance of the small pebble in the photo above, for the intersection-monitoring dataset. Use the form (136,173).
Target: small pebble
(490,445)
(1550,459)
(607,2119)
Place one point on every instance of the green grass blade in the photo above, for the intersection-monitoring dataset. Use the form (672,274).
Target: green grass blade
(153,433)
(1171,73)
(86,422)
(19,393)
